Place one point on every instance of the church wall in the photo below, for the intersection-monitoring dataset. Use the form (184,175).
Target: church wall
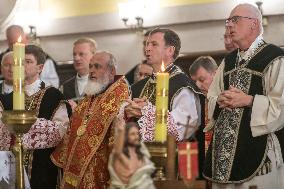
(200,27)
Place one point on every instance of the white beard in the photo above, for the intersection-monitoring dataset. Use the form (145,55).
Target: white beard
(96,87)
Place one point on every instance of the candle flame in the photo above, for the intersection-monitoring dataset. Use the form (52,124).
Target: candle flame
(20,39)
(163,66)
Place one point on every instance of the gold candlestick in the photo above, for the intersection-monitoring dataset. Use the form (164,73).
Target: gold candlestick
(159,149)
(19,122)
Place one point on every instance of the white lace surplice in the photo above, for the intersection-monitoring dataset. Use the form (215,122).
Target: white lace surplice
(43,134)
(185,104)
(8,171)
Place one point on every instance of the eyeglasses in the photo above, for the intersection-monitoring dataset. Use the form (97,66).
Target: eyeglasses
(235,19)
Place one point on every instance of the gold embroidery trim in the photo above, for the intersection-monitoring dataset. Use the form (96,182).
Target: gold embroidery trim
(77,179)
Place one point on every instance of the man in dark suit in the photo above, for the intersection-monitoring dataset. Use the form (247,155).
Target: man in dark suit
(83,51)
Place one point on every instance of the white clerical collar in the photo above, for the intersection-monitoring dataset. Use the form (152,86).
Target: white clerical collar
(251,50)
(33,88)
(7,88)
(84,77)
(81,83)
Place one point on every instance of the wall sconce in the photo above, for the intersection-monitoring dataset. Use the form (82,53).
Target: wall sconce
(33,35)
(131,14)
(138,25)
(264,18)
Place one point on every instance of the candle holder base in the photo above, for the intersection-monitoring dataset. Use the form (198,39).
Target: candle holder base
(164,157)
(158,153)
(159,174)
(18,123)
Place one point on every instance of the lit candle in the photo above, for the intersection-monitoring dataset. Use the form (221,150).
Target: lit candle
(18,75)
(162,90)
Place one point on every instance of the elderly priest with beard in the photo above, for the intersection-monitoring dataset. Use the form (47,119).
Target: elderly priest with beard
(84,153)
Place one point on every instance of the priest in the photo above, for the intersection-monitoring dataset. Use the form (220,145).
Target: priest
(244,109)
(84,153)
(163,45)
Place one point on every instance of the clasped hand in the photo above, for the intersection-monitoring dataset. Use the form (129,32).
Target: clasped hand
(234,98)
(133,109)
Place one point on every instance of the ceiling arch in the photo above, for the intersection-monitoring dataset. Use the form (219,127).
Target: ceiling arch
(6,7)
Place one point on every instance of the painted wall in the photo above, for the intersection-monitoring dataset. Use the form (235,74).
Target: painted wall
(200,27)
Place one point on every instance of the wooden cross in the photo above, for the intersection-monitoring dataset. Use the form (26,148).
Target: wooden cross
(187,126)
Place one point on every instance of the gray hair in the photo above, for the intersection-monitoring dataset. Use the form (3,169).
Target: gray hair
(90,41)
(206,62)
(10,53)
(112,63)
(256,14)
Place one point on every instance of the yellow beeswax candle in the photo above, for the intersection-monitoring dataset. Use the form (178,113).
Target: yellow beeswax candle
(18,75)
(162,90)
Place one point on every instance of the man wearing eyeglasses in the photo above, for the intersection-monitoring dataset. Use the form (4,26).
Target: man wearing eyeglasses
(244,107)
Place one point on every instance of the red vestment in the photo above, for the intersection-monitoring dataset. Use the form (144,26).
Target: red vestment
(84,153)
